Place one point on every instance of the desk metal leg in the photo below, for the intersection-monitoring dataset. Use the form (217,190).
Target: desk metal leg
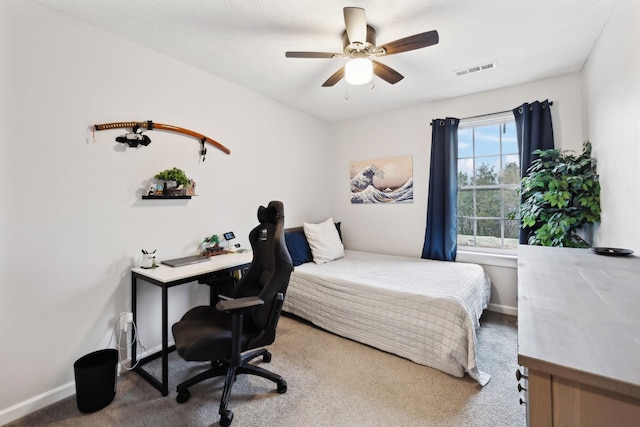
(161,386)
(134,309)
(165,342)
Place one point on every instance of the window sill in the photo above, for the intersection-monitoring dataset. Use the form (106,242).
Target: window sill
(488,258)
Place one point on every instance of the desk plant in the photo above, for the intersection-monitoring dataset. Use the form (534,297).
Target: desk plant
(214,240)
(211,245)
(561,194)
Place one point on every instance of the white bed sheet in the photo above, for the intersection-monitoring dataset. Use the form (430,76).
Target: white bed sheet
(426,311)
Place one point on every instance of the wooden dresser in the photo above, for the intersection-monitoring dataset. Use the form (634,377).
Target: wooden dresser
(579,337)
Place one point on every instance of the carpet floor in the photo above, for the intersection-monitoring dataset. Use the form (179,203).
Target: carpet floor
(332,381)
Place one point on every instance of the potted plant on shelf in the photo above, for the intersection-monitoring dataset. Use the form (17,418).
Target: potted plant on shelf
(174,180)
(560,195)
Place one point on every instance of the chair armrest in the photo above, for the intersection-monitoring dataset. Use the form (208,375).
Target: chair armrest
(239,304)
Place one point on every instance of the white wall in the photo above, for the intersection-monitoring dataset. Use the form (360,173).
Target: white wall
(612,107)
(400,228)
(72,218)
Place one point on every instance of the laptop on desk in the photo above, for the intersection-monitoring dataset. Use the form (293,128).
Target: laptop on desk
(179,262)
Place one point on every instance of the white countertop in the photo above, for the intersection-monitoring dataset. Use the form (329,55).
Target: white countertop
(578,316)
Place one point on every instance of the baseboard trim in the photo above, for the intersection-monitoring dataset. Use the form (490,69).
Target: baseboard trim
(504,309)
(47,398)
(35,403)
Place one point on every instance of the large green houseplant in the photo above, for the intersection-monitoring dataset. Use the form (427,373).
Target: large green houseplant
(560,195)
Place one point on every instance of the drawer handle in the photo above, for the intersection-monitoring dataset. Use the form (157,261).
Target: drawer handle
(520,375)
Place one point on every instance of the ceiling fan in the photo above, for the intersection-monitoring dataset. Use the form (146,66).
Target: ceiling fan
(359,41)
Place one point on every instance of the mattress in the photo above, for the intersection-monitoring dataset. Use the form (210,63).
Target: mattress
(423,310)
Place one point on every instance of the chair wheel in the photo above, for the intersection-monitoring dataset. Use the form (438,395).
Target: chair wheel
(225,418)
(183,396)
(282,386)
(266,358)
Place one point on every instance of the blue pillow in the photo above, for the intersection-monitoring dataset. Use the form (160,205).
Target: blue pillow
(338,224)
(298,247)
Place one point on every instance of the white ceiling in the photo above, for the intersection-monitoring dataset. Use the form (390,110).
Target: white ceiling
(244,41)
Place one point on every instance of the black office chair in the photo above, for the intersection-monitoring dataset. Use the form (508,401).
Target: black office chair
(221,334)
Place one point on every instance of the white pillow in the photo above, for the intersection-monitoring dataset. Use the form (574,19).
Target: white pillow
(324,241)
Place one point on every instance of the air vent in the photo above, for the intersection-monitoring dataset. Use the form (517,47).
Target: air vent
(476,68)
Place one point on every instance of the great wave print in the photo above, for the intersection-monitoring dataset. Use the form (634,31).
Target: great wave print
(387,180)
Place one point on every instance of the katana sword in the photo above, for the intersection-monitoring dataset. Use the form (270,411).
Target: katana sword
(149,125)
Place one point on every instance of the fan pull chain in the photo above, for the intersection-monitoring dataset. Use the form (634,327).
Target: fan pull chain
(346,94)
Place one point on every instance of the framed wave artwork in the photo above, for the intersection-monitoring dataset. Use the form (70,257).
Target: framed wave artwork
(387,180)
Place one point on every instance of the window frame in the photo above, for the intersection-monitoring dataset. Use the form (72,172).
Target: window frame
(477,122)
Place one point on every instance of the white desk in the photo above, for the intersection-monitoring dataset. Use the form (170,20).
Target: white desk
(166,277)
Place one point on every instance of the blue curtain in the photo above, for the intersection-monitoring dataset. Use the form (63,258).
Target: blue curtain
(440,241)
(535,132)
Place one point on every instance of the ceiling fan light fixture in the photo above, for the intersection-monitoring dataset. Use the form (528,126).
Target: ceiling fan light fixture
(358,71)
(359,44)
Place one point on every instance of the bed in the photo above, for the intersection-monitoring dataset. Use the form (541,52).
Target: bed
(423,310)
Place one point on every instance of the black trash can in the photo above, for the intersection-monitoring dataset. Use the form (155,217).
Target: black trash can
(95,375)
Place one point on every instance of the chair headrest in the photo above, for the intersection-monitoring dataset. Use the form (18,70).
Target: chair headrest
(272,213)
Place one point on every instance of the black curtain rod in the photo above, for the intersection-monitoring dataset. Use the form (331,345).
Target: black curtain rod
(490,114)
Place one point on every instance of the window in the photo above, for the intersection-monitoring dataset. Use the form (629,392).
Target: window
(488,183)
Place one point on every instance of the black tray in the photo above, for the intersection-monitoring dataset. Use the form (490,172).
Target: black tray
(612,251)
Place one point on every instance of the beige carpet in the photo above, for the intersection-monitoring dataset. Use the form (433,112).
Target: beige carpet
(332,381)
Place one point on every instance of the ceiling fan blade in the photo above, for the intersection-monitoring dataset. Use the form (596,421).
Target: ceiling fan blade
(312,55)
(335,78)
(386,73)
(355,23)
(416,41)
